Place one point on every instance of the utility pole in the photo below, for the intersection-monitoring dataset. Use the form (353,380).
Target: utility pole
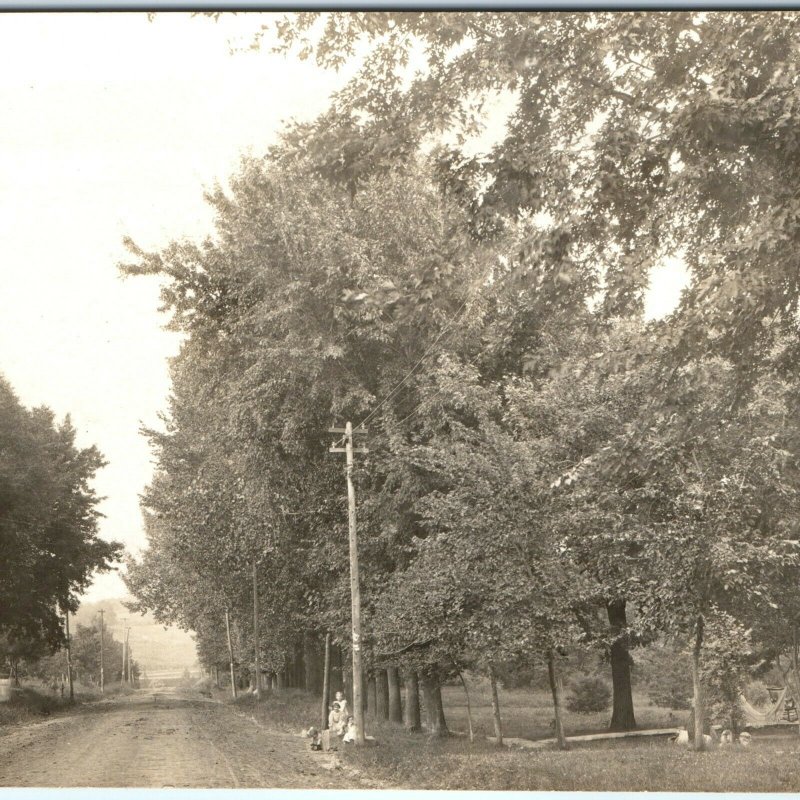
(102,676)
(355,590)
(255,632)
(124,652)
(69,659)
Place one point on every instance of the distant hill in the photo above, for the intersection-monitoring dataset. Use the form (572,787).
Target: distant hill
(155,647)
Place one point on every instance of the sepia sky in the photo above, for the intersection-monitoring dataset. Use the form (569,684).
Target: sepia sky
(113,125)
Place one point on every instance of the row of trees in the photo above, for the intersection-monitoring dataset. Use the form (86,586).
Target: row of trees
(547,469)
(85,657)
(48,528)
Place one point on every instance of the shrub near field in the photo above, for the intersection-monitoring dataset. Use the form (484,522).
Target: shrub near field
(589,694)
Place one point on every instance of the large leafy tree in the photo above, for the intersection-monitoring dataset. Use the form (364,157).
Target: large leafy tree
(48,523)
(636,135)
(630,137)
(305,307)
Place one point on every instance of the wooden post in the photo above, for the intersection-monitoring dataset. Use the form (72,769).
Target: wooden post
(69,660)
(355,590)
(230,653)
(102,676)
(256,648)
(326,682)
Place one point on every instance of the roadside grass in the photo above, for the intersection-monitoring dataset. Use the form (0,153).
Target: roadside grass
(417,761)
(28,704)
(34,702)
(290,710)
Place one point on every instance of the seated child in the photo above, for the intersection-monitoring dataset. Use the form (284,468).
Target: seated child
(336,720)
(350,734)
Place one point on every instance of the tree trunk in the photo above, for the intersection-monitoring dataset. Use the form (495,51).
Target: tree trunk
(326,682)
(256,638)
(794,679)
(347,680)
(372,696)
(300,664)
(697,687)
(282,680)
(337,665)
(395,705)
(230,653)
(622,717)
(556,688)
(216,676)
(498,723)
(309,663)
(382,694)
(469,707)
(412,702)
(432,697)
(70,674)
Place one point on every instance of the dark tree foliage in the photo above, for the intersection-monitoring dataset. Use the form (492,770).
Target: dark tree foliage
(48,523)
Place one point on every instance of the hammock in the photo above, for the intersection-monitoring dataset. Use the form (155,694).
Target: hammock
(773,715)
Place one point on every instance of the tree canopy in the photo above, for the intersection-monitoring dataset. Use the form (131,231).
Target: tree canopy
(540,453)
(48,523)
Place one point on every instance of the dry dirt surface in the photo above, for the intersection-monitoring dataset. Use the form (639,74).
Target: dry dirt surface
(164,739)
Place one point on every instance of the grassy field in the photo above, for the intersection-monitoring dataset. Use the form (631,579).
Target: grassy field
(528,714)
(416,761)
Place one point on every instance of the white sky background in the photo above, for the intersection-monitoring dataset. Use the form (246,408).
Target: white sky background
(113,125)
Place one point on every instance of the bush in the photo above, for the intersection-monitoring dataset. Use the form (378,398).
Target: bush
(669,678)
(27,704)
(588,695)
(516,674)
(756,693)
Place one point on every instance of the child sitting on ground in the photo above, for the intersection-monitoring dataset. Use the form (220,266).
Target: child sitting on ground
(337,720)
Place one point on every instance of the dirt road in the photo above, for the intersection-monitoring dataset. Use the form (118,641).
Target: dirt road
(163,739)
